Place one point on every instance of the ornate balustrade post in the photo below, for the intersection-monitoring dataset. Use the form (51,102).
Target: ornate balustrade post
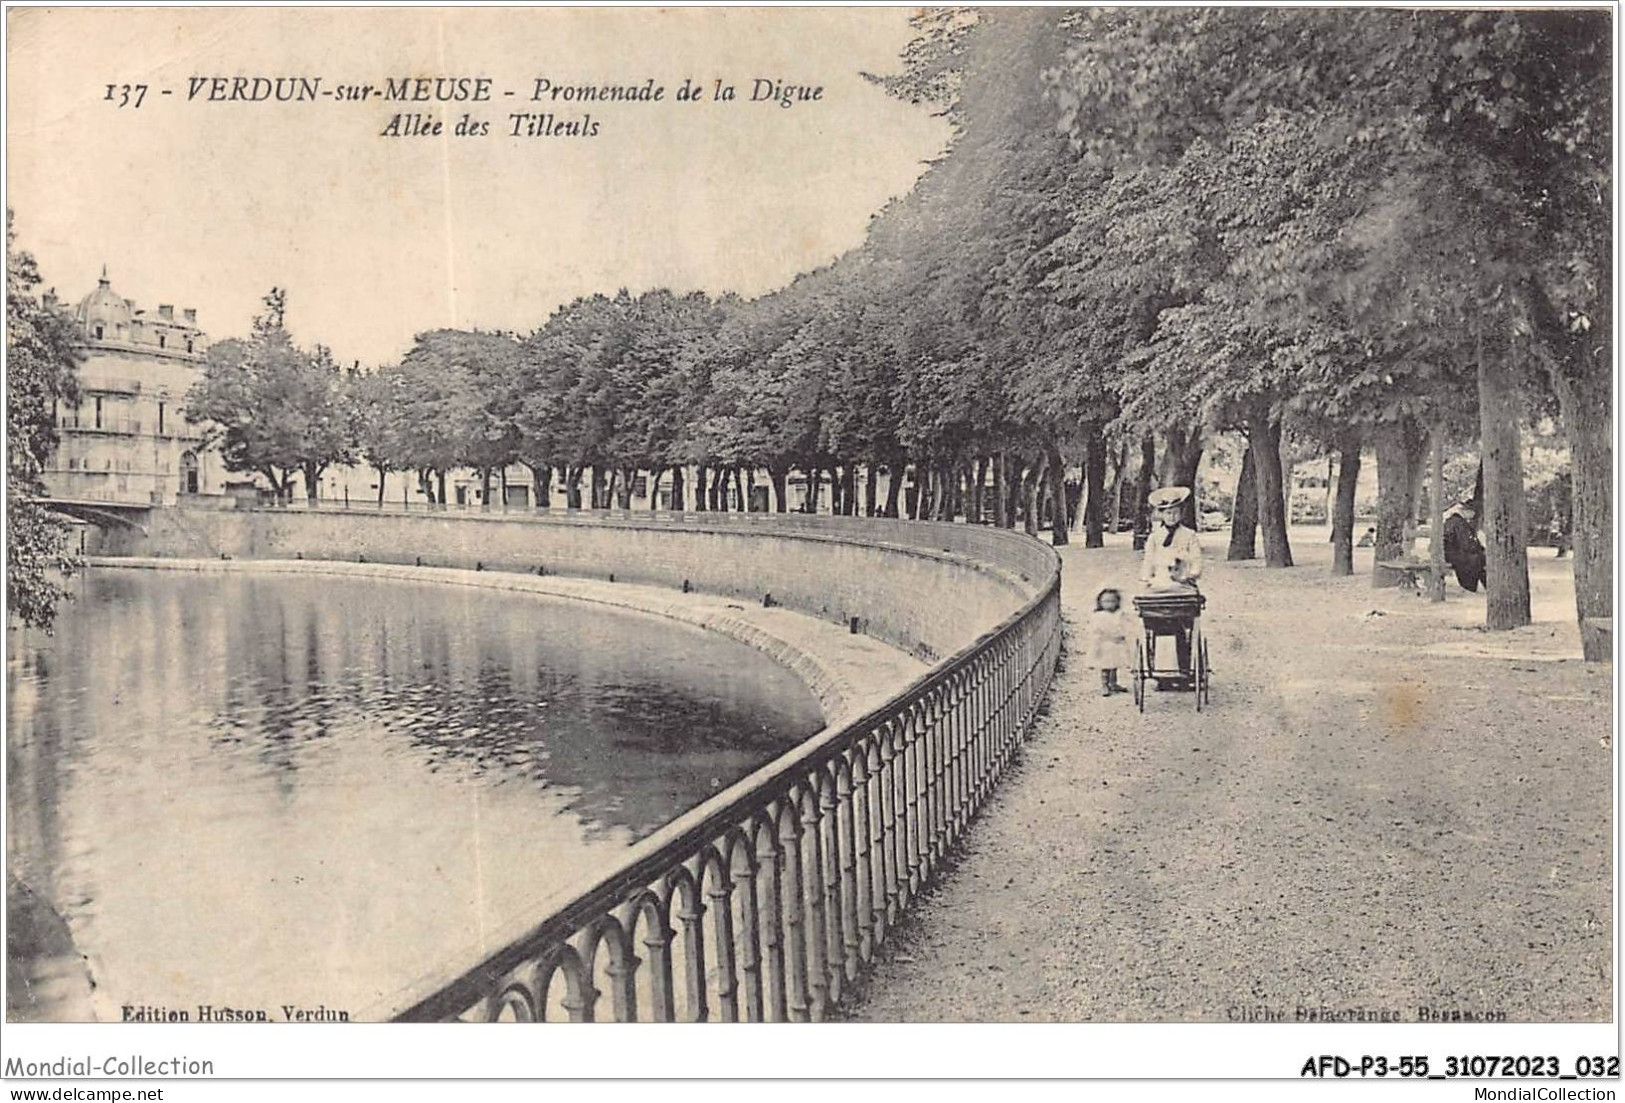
(886,834)
(825,952)
(580,997)
(657,936)
(750,956)
(623,965)
(901,859)
(690,912)
(964,738)
(861,840)
(937,778)
(770,917)
(909,781)
(964,725)
(720,890)
(793,902)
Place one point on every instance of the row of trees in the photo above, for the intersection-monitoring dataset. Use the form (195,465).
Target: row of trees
(1377,231)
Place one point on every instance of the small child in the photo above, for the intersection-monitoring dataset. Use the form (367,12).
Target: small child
(1108,639)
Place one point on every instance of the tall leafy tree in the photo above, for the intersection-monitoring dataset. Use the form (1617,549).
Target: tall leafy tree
(273,407)
(42,370)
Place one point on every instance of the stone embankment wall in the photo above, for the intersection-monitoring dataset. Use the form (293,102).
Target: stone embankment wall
(930,589)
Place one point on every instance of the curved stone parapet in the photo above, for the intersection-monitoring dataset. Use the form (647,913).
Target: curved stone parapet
(927,588)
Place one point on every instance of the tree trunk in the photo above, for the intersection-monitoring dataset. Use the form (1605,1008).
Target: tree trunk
(1142,490)
(719,489)
(1180,464)
(312,475)
(1506,566)
(541,478)
(871,489)
(623,493)
(1436,517)
(1114,513)
(1588,421)
(440,478)
(1328,502)
(1264,435)
(1001,493)
(700,483)
(1396,450)
(654,487)
(894,487)
(1244,514)
(1030,482)
(1348,481)
(596,487)
(678,501)
(485,488)
(973,501)
(381,473)
(1094,487)
(1057,481)
(1419,474)
(779,477)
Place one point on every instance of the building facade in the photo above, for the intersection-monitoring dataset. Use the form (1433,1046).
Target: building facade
(128,441)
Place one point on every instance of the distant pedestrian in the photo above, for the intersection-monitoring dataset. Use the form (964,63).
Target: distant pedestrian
(1369,540)
(1108,640)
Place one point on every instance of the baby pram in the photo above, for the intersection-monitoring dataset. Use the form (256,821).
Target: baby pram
(1177,616)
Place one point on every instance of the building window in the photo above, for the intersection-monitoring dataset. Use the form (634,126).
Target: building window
(98,333)
(160,419)
(161,340)
(98,411)
(188,344)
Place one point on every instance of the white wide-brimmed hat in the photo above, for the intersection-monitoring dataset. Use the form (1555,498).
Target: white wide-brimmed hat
(1166,496)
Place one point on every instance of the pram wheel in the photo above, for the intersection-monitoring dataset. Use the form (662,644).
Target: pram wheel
(1198,671)
(1142,669)
(1203,670)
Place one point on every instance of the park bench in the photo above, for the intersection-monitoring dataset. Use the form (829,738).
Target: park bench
(1412,573)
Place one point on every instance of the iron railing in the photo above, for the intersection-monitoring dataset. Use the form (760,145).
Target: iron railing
(766,902)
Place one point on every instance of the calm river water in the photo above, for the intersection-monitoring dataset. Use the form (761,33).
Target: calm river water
(257,791)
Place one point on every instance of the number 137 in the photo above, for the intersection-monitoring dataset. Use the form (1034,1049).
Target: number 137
(122,95)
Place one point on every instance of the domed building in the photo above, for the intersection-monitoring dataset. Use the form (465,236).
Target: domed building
(127,441)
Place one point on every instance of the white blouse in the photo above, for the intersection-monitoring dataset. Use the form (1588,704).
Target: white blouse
(1177,563)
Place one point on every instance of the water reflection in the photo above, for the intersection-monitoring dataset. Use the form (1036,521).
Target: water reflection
(257,791)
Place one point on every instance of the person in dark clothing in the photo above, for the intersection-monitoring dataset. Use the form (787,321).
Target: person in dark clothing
(1461,548)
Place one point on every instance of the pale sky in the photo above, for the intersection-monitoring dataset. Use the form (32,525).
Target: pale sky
(210,204)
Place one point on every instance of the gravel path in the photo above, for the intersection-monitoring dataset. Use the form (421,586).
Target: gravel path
(1385,808)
